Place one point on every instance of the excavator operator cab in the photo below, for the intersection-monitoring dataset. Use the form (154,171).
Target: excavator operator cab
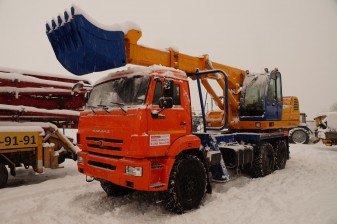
(261,98)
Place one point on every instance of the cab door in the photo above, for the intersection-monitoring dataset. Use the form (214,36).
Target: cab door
(167,125)
(274,102)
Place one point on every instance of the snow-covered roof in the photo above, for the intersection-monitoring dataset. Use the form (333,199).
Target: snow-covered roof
(16,77)
(22,128)
(38,110)
(45,74)
(154,70)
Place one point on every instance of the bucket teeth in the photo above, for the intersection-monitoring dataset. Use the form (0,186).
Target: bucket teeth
(66,16)
(47,28)
(53,24)
(59,20)
(72,10)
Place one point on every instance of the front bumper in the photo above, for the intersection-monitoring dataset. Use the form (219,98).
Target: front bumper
(155,172)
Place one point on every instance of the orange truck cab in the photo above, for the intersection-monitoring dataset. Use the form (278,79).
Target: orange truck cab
(126,138)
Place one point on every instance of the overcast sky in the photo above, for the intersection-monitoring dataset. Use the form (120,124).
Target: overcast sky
(297,36)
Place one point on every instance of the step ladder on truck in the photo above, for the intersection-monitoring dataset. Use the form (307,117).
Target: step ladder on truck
(136,131)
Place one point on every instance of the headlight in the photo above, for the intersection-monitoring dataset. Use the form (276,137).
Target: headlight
(134,171)
(80,159)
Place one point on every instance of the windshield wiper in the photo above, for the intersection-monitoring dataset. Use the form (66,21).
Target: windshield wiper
(120,105)
(104,107)
(92,108)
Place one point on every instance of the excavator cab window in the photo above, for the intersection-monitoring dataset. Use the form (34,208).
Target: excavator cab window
(274,90)
(252,99)
(271,96)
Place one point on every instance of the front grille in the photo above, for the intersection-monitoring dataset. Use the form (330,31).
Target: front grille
(104,143)
(105,155)
(104,139)
(104,147)
(101,165)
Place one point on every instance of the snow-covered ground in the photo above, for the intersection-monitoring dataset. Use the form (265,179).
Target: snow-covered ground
(304,192)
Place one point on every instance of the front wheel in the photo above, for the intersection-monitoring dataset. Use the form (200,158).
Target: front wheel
(3,175)
(187,184)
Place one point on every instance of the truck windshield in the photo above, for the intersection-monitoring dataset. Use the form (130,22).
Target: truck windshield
(252,99)
(122,91)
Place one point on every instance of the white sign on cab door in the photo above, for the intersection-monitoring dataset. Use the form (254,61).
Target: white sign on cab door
(156,140)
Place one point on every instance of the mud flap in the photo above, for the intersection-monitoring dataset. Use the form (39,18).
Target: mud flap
(82,48)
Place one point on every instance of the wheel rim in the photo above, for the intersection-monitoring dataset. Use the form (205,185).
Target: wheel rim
(299,137)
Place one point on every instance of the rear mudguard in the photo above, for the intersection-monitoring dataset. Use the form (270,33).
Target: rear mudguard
(82,48)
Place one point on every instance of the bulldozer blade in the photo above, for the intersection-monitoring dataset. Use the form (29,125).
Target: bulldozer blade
(82,48)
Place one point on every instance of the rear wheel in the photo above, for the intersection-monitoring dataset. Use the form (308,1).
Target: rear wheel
(264,160)
(299,136)
(115,190)
(3,175)
(187,184)
(281,156)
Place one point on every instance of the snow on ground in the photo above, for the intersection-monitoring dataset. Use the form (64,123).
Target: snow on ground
(304,192)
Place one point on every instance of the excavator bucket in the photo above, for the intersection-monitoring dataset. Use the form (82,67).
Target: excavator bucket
(82,48)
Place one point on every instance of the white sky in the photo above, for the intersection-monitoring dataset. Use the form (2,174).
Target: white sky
(297,36)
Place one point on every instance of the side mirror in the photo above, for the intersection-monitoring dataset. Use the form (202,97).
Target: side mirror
(168,88)
(165,102)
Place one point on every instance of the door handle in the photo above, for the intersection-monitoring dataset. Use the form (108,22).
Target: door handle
(183,123)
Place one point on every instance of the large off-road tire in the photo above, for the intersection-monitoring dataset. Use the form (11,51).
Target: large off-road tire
(264,160)
(3,175)
(299,136)
(115,190)
(187,184)
(281,155)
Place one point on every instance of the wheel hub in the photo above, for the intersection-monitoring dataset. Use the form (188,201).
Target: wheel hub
(299,137)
